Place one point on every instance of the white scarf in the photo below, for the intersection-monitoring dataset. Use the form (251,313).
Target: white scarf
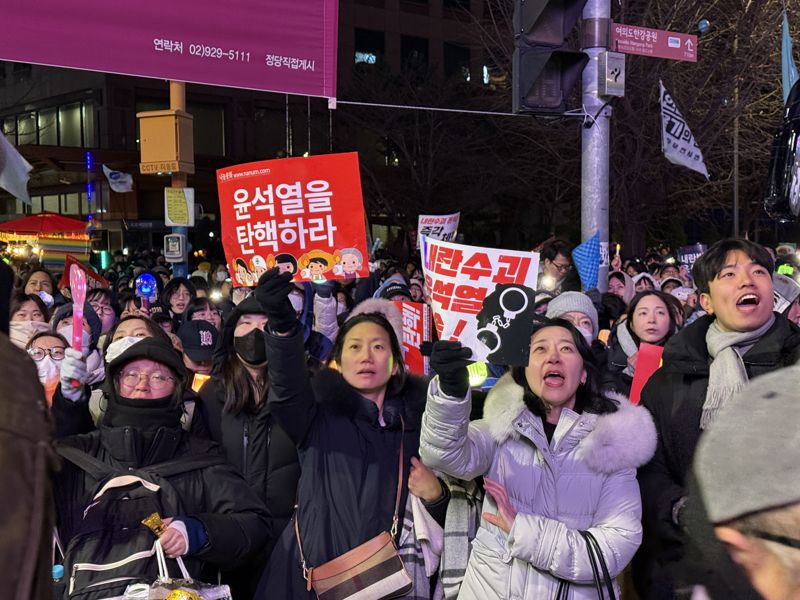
(727,374)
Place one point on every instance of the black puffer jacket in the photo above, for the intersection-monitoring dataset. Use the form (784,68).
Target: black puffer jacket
(675,395)
(348,462)
(256,445)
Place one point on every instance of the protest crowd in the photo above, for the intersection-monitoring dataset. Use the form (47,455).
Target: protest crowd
(639,443)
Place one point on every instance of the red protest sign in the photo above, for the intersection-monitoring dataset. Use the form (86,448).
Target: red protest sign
(417,328)
(93,280)
(644,41)
(647,363)
(304,215)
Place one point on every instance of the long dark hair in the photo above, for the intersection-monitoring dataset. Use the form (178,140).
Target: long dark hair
(241,393)
(665,298)
(588,397)
(396,381)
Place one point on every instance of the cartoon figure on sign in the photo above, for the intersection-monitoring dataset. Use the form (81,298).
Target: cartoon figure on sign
(505,324)
(243,274)
(285,262)
(258,266)
(315,264)
(349,264)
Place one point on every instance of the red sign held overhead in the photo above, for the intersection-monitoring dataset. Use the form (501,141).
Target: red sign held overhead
(643,41)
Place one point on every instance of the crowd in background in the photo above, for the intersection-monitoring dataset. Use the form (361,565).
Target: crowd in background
(276,421)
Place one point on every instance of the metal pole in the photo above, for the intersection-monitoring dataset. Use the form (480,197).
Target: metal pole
(736,147)
(596,135)
(177,101)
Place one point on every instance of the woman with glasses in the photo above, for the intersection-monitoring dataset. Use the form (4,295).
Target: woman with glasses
(103,303)
(211,518)
(47,351)
(203,309)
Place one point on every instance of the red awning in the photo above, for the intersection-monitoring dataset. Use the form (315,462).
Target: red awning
(45,222)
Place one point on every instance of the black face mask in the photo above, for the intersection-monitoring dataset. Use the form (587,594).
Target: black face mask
(251,347)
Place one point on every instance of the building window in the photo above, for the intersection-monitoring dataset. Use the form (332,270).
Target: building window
(209,128)
(48,127)
(369,46)
(69,125)
(26,129)
(456,61)
(72,204)
(50,204)
(414,51)
(22,72)
(87,116)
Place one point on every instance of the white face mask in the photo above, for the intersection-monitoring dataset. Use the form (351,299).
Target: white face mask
(587,335)
(49,370)
(86,338)
(119,346)
(21,332)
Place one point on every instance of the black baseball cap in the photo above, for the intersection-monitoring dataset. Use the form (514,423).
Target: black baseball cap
(199,338)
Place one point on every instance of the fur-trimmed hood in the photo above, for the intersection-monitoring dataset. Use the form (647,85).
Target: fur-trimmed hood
(624,439)
(332,391)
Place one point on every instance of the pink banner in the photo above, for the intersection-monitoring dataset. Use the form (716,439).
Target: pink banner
(281,46)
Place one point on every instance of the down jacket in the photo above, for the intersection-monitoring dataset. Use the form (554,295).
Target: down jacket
(584,479)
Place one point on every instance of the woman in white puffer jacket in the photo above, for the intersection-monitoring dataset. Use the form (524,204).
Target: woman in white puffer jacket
(557,457)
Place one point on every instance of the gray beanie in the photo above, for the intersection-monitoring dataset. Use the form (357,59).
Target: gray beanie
(573,302)
(786,291)
(749,459)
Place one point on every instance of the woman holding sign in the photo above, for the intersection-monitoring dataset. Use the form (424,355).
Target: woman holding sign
(558,459)
(357,434)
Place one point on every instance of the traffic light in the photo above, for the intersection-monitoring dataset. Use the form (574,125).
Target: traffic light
(545,70)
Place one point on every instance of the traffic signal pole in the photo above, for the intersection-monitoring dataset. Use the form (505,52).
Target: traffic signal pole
(596,135)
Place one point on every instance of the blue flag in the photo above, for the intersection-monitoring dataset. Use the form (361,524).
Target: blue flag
(587,260)
(788,68)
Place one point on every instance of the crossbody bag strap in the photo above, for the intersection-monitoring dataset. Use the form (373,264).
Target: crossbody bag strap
(307,571)
(607,579)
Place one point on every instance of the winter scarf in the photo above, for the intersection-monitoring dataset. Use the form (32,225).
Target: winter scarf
(416,557)
(461,526)
(727,374)
(628,345)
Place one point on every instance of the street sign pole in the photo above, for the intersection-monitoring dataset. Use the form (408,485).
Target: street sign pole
(596,134)
(177,101)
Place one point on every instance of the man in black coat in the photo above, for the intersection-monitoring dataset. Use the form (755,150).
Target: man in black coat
(703,366)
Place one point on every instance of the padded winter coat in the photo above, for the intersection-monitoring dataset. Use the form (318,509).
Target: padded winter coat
(584,479)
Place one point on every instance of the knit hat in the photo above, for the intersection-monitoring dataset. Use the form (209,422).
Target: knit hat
(573,302)
(95,324)
(155,349)
(786,291)
(384,308)
(749,459)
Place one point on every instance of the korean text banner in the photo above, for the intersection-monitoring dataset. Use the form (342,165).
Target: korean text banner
(417,328)
(438,227)
(273,45)
(304,215)
(482,297)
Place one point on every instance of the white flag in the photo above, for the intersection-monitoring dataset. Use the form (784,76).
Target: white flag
(677,140)
(14,171)
(118,181)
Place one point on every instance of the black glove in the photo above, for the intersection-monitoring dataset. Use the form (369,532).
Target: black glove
(449,360)
(272,294)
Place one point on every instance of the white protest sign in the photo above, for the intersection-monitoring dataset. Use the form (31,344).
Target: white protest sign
(438,227)
(482,297)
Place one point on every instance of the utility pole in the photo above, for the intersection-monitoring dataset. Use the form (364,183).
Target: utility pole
(596,134)
(177,101)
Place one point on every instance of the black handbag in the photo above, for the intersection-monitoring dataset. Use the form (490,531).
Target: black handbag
(602,577)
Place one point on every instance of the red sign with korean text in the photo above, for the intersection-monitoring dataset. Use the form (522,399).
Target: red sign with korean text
(303,215)
(417,328)
(93,280)
(643,41)
(647,363)
(462,280)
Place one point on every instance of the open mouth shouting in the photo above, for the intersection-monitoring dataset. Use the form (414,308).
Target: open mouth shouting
(748,303)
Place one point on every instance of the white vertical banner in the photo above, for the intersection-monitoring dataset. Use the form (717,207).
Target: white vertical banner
(677,140)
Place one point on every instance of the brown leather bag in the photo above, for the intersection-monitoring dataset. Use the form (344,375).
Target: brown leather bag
(370,571)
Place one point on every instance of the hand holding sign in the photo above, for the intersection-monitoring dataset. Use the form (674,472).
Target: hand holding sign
(450,360)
